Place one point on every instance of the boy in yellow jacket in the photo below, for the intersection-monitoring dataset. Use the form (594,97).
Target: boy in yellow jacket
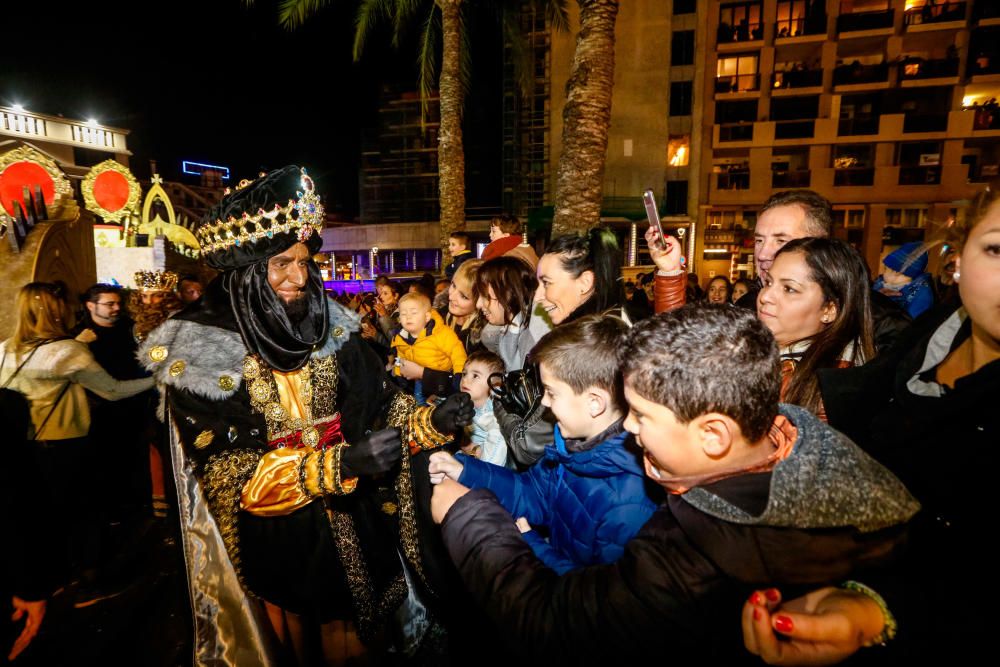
(425,340)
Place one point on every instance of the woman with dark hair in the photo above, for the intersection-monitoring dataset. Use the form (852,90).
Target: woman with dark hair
(740,287)
(504,288)
(719,290)
(927,410)
(815,301)
(581,274)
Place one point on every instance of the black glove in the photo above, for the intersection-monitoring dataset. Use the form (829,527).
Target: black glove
(374,454)
(454,414)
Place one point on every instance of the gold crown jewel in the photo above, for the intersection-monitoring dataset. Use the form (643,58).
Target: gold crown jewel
(156,281)
(303,215)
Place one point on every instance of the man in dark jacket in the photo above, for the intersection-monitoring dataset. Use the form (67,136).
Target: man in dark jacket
(796,214)
(758,493)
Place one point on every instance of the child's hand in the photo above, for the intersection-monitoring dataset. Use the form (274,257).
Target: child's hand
(445,495)
(522,525)
(443,464)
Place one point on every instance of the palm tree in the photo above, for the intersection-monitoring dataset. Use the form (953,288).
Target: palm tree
(586,118)
(441,20)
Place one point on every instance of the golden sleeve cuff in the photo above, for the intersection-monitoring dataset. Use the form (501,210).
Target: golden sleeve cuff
(288,479)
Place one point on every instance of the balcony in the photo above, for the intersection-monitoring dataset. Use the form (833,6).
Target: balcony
(797,78)
(925,122)
(736,132)
(790,179)
(80,134)
(987,117)
(800,27)
(734,179)
(917,69)
(849,75)
(986,9)
(794,129)
(859,125)
(744,32)
(737,83)
(858,21)
(854,176)
(920,175)
(983,65)
(943,12)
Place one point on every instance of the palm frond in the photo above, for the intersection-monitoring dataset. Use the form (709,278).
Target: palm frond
(556,13)
(521,57)
(293,13)
(404,13)
(428,64)
(370,12)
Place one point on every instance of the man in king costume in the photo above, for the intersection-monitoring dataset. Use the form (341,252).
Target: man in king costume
(291,451)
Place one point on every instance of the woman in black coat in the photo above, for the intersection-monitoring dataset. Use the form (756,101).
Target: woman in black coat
(928,411)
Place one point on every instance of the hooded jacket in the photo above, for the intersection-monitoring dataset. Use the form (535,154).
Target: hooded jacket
(592,499)
(437,346)
(825,512)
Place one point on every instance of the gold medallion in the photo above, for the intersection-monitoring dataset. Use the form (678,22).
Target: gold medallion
(251,369)
(226,383)
(310,436)
(338,332)
(158,353)
(177,368)
(204,439)
(389,508)
(275,412)
(260,391)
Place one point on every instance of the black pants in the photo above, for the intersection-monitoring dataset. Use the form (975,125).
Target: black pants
(69,471)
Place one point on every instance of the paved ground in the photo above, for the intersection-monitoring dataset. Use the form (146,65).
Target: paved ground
(148,623)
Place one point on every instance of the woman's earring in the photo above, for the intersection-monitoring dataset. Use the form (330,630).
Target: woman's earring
(957,275)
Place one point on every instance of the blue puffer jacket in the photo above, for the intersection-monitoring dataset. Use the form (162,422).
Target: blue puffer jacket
(591,501)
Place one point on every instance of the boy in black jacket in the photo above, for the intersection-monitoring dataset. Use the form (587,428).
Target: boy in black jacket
(759,494)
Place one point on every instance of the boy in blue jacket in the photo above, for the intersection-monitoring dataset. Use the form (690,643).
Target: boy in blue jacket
(588,489)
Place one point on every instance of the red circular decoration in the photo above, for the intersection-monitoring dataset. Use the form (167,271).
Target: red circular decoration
(20,174)
(111,191)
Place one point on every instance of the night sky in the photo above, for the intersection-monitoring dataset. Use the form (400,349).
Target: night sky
(215,81)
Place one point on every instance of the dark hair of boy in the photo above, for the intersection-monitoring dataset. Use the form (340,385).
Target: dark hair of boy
(461,237)
(597,251)
(843,276)
(819,213)
(493,362)
(508,224)
(705,358)
(94,292)
(513,282)
(584,354)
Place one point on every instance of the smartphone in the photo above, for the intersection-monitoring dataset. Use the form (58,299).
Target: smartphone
(653,215)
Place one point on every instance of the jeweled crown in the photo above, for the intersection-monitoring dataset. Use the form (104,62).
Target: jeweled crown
(304,215)
(156,281)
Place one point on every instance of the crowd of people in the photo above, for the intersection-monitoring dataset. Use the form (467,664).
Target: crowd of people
(530,456)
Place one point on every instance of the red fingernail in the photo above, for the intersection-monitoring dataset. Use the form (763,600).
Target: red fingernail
(756,613)
(772,594)
(755,599)
(783,624)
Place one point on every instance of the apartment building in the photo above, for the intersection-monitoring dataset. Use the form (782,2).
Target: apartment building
(886,107)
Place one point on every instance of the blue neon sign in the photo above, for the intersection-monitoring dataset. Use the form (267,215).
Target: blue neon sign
(197,168)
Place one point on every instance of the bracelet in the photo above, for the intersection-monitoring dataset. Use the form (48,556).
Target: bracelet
(302,477)
(341,487)
(321,465)
(889,629)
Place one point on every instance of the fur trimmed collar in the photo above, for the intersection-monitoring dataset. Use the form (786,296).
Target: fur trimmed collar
(208,361)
